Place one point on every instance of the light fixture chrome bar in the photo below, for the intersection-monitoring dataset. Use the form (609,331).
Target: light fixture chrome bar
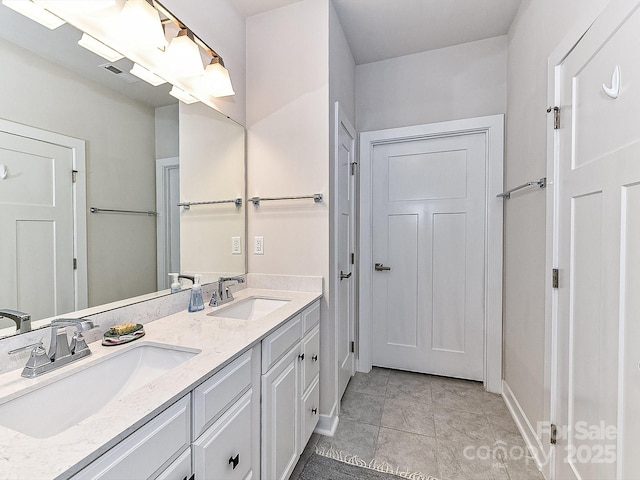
(317,198)
(542,183)
(109,210)
(187,205)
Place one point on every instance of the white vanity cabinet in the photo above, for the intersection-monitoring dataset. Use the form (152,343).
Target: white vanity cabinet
(211,433)
(290,391)
(226,422)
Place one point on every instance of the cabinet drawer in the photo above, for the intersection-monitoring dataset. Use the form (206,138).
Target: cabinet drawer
(310,404)
(310,316)
(146,451)
(280,342)
(180,469)
(311,351)
(213,397)
(224,450)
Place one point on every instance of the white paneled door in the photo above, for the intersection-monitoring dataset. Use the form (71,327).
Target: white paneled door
(345,271)
(598,212)
(429,211)
(37,227)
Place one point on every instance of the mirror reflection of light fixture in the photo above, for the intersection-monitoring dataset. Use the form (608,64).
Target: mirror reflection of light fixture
(141,25)
(182,95)
(99,48)
(146,75)
(216,79)
(183,55)
(35,13)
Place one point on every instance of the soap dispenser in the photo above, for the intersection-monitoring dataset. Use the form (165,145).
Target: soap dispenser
(196,303)
(175,283)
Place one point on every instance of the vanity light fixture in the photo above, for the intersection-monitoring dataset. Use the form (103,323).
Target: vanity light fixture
(183,55)
(216,79)
(141,25)
(140,30)
(147,75)
(99,48)
(35,12)
(182,95)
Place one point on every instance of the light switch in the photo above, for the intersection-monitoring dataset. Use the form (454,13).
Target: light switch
(258,245)
(236,246)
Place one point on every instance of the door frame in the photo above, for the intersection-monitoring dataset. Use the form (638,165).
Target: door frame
(492,127)
(163,165)
(79,198)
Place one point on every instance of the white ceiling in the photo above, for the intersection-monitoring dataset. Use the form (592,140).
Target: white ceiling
(382,29)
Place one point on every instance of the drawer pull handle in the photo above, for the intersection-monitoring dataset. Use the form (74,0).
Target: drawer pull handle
(314,358)
(314,410)
(301,356)
(234,460)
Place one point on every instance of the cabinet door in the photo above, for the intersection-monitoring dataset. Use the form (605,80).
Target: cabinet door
(309,404)
(224,450)
(280,417)
(311,352)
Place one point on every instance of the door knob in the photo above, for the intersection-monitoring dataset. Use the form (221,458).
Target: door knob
(380,267)
(234,461)
(344,276)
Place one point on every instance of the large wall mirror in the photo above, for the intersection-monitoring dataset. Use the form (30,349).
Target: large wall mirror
(139,150)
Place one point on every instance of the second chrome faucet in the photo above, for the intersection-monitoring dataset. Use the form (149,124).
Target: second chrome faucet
(223,295)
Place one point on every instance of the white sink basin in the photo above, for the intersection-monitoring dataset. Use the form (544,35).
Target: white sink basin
(60,404)
(251,308)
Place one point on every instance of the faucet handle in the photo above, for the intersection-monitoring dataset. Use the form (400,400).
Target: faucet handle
(214,299)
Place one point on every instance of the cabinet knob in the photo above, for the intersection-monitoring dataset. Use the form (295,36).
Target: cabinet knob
(314,358)
(314,410)
(301,356)
(234,460)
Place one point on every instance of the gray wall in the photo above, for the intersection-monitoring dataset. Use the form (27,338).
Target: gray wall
(463,81)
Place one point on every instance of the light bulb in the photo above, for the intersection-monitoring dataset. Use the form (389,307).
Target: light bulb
(147,75)
(183,56)
(141,25)
(182,95)
(217,81)
(35,13)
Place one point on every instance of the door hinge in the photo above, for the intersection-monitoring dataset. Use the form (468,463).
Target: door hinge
(75,263)
(554,278)
(74,176)
(556,116)
(554,434)
(353,347)
(353,259)
(353,168)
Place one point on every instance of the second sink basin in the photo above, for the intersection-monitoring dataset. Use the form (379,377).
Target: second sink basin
(60,404)
(251,308)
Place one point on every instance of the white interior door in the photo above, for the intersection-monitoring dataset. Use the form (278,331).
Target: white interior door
(429,210)
(346,268)
(37,226)
(598,380)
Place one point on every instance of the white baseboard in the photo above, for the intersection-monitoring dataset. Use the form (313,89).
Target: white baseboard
(327,425)
(529,434)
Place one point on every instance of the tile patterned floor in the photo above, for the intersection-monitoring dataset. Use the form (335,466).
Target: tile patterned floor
(451,429)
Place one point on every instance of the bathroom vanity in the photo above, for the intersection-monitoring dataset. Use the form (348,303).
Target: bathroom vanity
(234,394)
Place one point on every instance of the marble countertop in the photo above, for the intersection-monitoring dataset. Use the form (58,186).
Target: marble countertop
(219,339)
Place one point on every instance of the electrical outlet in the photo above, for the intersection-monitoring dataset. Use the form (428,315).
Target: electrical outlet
(236,246)
(258,245)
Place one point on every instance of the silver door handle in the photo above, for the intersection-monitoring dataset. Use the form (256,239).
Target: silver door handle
(344,275)
(380,267)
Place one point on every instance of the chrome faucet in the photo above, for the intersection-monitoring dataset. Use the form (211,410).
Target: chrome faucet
(223,294)
(61,352)
(22,320)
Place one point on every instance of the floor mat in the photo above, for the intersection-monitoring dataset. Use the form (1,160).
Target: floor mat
(330,464)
